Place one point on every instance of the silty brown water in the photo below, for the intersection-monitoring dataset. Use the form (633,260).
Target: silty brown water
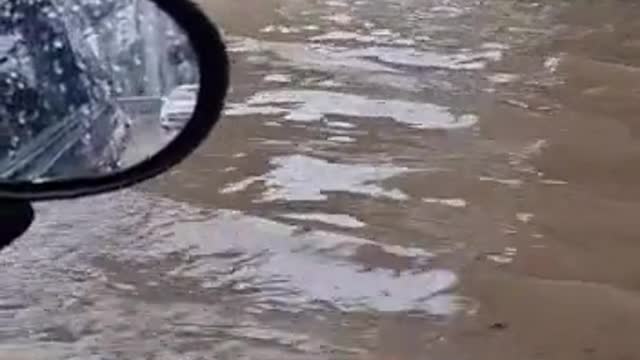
(391,180)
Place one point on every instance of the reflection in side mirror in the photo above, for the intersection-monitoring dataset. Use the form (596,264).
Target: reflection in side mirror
(90,88)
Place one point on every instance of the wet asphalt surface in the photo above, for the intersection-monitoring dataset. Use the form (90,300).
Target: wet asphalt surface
(392,180)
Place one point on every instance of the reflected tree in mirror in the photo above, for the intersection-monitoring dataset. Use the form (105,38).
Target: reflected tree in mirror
(89,87)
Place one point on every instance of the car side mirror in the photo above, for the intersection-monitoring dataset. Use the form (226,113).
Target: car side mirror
(80,107)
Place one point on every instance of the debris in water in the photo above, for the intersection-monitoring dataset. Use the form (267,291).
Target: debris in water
(499,325)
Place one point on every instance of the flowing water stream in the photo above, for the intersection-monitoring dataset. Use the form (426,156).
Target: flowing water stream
(392,180)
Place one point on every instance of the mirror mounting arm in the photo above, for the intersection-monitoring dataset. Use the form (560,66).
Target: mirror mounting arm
(16,216)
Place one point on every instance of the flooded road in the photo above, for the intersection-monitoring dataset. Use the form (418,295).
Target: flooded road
(392,180)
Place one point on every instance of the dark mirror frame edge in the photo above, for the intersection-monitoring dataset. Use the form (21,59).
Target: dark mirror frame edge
(213,61)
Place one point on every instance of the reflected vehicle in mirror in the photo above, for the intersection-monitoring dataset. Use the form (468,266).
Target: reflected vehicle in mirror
(178,106)
(82,85)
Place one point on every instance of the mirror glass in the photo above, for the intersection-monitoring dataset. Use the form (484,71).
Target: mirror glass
(89,87)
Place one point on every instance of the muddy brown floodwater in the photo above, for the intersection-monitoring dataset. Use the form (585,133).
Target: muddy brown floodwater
(392,180)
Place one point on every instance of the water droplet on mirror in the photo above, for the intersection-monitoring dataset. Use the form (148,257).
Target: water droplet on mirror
(57,68)
(52,14)
(58,44)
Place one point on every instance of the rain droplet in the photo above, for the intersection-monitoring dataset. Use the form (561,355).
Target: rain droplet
(57,43)
(57,68)
(52,14)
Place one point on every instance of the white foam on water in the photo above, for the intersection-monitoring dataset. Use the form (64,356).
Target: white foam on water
(313,105)
(304,178)
(500,259)
(330,84)
(341,19)
(524,217)
(446,9)
(508,182)
(278,78)
(552,63)
(333,58)
(505,257)
(280,29)
(495,46)
(553,182)
(343,35)
(455,203)
(239,110)
(240,45)
(336,3)
(341,124)
(381,32)
(342,139)
(268,29)
(412,57)
(341,220)
(239,186)
(292,270)
(300,177)
(340,35)
(503,78)
(403,42)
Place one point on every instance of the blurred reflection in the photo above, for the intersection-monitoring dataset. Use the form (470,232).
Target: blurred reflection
(86,86)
